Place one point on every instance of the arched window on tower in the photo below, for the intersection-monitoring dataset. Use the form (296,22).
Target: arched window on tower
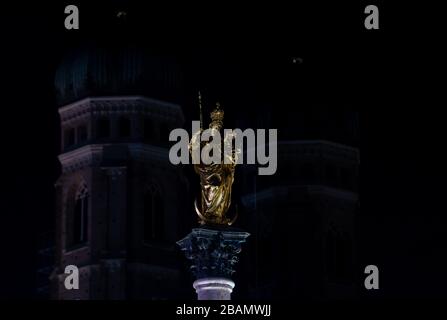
(338,256)
(331,258)
(164,133)
(346,179)
(124,127)
(82,133)
(153,226)
(69,137)
(77,224)
(103,128)
(306,173)
(331,175)
(147,130)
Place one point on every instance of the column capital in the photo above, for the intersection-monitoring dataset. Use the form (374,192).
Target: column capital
(213,251)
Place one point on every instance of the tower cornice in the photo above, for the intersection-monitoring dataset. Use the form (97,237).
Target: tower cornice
(121,105)
(92,154)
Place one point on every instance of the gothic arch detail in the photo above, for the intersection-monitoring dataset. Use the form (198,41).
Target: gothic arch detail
(77,215)
(338,255)
(153,214)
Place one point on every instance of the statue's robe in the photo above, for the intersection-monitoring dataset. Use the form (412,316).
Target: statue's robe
(216,182)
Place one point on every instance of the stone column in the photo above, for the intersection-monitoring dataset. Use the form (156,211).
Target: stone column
(213,252)
(213,288)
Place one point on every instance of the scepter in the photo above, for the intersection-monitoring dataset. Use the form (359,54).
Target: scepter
(200,110)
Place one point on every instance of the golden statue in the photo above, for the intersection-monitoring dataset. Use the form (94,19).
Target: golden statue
(216,179)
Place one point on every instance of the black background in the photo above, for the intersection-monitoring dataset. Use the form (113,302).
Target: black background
(391,75)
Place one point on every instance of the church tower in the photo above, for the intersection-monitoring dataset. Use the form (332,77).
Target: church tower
(118,195)
(305,215)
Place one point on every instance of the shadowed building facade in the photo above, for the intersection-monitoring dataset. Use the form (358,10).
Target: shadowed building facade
(118,193)
(303,219)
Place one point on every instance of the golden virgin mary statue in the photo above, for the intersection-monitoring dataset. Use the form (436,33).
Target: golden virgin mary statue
(216,178)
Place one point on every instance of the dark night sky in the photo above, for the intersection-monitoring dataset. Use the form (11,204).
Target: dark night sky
(383,74)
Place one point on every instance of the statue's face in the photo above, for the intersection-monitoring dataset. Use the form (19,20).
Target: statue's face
(216,125)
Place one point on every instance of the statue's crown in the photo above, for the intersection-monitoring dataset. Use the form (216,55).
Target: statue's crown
(217,115)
